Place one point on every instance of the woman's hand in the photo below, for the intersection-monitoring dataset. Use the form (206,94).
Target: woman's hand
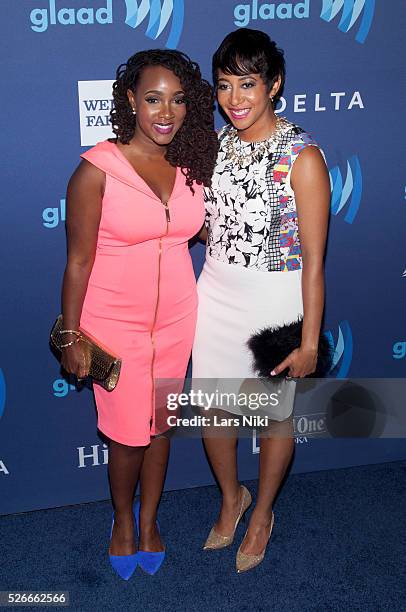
(73,360)
(301,362)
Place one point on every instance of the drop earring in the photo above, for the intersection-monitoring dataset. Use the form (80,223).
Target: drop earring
(134,113)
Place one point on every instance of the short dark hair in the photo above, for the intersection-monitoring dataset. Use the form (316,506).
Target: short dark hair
(194,147)
(247,51)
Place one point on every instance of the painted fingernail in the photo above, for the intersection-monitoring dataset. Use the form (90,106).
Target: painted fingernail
(273,373)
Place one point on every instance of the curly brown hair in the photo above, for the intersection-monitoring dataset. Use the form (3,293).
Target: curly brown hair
(195,145)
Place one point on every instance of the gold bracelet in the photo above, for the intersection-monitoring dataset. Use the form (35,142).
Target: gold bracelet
(70,331)
(71,343)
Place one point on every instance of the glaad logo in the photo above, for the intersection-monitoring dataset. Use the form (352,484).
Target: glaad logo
(41,18)
(351,190)
(52,216)
(244,13)
(352,10)
(342,349)
(61,387)
(399,350)
(159,15)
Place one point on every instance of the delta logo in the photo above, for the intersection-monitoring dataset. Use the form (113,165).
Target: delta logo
(351,12)
(158,12)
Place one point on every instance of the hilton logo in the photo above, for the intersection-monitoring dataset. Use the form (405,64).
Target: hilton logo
(95,457)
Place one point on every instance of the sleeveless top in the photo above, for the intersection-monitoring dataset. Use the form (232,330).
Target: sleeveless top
(251,214)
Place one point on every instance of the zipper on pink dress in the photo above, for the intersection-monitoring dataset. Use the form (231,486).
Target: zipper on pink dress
(168,218)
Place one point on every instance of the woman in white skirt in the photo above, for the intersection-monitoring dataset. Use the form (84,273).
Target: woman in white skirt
(266,219)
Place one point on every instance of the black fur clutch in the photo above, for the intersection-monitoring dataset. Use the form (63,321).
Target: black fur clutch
(271,345)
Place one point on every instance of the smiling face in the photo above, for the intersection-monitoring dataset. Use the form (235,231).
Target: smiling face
(160,105)
(247,102)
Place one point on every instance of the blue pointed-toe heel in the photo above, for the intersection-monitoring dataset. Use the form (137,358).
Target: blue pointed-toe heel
(150,562)
(123,565)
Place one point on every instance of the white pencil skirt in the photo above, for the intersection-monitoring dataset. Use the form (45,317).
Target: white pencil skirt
(234,303)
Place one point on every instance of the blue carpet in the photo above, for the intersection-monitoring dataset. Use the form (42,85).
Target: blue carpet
(339,543)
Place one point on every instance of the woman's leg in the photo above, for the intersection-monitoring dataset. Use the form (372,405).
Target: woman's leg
(276,449)
(124,469)
(222,454)
(152,480)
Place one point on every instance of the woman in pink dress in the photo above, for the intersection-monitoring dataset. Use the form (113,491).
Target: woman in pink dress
(133,204)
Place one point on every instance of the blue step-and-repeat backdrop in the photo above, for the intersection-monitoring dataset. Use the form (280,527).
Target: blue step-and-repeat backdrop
(345,84)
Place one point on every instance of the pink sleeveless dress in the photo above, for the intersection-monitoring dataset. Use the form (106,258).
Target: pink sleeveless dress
(141,300)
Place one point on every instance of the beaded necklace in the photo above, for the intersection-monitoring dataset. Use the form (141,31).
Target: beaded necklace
(263,146)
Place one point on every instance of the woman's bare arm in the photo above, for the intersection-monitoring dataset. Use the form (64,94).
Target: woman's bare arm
(311,185)
(84,197)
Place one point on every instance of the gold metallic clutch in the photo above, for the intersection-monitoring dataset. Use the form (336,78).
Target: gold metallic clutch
(102,365)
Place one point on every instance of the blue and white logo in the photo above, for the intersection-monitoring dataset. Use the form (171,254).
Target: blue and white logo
(2,393)
(61,387)
(51,217)
(343,349)
(42,18)
(351,12)
(350,191)
(159,11)
(245,13)
(399,350)
(159,15)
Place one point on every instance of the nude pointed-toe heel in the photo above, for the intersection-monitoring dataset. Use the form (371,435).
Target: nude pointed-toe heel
(215,540)
(246,562)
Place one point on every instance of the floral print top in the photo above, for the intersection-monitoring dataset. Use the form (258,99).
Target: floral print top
(251,214)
